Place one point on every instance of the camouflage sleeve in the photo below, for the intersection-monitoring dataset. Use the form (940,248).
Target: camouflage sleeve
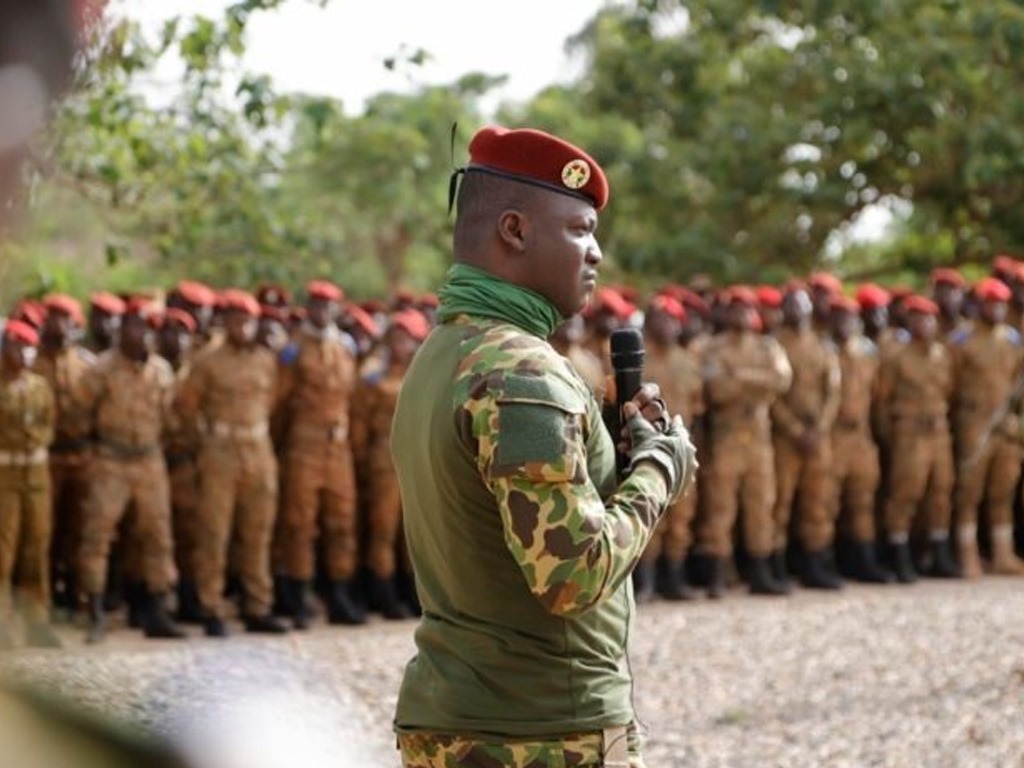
(574,549)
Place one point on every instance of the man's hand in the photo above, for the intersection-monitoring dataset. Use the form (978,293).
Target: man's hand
(664,442)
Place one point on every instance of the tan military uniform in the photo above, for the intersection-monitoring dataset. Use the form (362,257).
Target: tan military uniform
(229,393)
(677,373)
(855,465)
(318,377)
(810,404)
(986,362)
(589,367)
(914,388)
(744,373)
(181,443)
(27,418)
(129,402)
(64,371)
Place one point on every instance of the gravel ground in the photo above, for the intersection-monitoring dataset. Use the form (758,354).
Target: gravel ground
(930,675)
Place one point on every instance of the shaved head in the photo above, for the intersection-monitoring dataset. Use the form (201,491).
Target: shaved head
(482,199)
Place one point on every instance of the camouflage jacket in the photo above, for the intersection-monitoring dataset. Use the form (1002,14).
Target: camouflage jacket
(521,541)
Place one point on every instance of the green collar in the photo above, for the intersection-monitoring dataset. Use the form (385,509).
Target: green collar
(471,291)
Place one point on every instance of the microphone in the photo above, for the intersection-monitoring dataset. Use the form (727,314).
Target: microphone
(627,355)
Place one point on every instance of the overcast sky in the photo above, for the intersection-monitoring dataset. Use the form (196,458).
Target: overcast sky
(338,50)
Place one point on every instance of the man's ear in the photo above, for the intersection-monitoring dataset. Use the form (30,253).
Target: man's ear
(513,227)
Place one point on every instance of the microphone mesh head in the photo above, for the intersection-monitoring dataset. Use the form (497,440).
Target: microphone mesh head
(627,348)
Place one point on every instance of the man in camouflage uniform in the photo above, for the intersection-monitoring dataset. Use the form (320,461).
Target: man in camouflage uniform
(229,395)
(677,372)
(744,372)
(371,444)
(317,378)
(129,394)
(802,420)
(27,417)
(987,361)
(522,538)
(914,389)
(64,363)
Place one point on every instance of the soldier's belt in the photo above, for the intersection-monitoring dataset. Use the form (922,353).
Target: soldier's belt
(177,458)
(23,458)
(63,446)
(117,450)
(923,423)
(238,431)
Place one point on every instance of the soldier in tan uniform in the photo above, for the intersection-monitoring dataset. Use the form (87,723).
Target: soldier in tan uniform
(105,312)
(128,395)
(677,372)
(948,287)
(914,389)
(802,421)
(27,418)
(229,394)
(822,288)
(371,443)
(64,363)
(769,308)
(855,464)
(744,373)
(987,359)
(318,378)
(567,341)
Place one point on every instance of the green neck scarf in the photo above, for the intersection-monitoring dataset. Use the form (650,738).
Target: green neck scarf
(471,291)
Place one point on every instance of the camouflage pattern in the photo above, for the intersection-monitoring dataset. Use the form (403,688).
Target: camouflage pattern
(436,750)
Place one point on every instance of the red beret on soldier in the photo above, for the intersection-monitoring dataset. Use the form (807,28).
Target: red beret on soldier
(274,312)
(197,293)
(181,317)
(871,296)
(739,294)
(241,301)
(946,276)
(991,289)
(412,322)
(610,300)
(768,296)
(20,331)
(539,159)
(668,305)
(915,303)
(61,302)
(364,320)
(825,281)
(107,302)
(325,290)
(30,312)
(845,304)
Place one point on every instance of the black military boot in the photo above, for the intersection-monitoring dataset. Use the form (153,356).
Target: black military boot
(284,591)
(716,578)
(342,607)
(156,623)
(407,592)
(779,567)
(384,598)
(902,562)
(644,576)
(267,625)
(214,626)
(97,620)
(39,634)
(189,609)
(302,613)
(943,566)
(675,585)
(866,567)
(760,578)
(817,574)
(136,600)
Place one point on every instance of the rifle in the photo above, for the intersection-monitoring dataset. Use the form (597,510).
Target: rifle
(993,423)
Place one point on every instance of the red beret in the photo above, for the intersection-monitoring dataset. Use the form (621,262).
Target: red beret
(739,294)
(374,306)
(324,289)
(429,300)
(197,293)
(139,305)
(899,293)
(825,281)
(991,289)
(412,322)
(1004,264)
(107,302)
(242,301)
(945,276)
(768,296)
(916,303)
(21,331)
(844,304)
(694,302)
(273,295)
(669,306)
(534,157)
(180,316)
(274,312)
(871,296)
(364,320)
(61,302)
(611,300)
(30,312)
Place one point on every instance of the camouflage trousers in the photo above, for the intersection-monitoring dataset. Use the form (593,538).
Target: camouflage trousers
(586,750)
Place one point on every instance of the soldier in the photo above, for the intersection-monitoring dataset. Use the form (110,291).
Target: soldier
(272,331)
(318,377)
(914,388)
(823,287)
(128,395)
(948,287)
(608,312)
(855,463)
(802,421)
(105,312)
(64,364)
(371,444)
(567,341)
(769,308)
(198,300)
(27,418)
(873,301)
(677,372)
(229,395)
(987,360)
(743,375)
